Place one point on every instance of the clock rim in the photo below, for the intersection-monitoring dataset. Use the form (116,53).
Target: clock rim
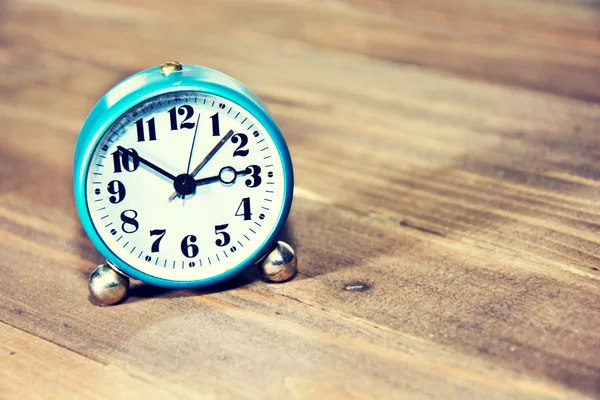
(146,85)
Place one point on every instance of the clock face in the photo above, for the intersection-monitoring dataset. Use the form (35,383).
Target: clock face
(185,186)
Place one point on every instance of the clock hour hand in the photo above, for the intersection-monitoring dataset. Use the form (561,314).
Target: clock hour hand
(206,159)
(147,163)
(227,175)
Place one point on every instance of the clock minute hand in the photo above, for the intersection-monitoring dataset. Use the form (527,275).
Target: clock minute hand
(148,163)
(207,158)
(212,153)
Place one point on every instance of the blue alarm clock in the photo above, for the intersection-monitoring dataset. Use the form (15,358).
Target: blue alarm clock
(182,179)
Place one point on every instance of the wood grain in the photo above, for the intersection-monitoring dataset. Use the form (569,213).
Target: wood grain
(446,213)
(30,365)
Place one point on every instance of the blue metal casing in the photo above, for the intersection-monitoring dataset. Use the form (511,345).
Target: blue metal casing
(146,85)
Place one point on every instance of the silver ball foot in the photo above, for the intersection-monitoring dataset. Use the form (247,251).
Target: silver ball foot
(108,286)
(280,264)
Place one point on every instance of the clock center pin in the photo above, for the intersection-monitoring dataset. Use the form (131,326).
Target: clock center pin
(184,184)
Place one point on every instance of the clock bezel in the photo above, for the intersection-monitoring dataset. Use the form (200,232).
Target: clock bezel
(146,85)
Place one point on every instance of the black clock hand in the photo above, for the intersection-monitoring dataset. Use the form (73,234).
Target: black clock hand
(147,163)
(221,177)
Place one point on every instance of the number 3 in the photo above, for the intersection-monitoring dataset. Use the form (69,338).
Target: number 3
(255,179)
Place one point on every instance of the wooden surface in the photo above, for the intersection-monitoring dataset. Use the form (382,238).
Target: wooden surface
(446,215)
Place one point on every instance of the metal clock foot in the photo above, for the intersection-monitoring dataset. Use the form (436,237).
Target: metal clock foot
(280,264)
(107,285)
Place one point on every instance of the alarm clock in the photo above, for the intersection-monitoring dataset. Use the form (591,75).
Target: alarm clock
(182,179)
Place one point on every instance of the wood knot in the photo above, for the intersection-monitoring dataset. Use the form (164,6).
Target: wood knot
(357,287)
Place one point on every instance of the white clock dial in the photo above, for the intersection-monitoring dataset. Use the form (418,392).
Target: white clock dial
(217,218)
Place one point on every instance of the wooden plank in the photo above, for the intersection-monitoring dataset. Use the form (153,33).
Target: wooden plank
(549,46)
(31,368)
(446,227)
(247,342)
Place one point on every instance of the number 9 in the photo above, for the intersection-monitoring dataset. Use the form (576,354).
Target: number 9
(118,190)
